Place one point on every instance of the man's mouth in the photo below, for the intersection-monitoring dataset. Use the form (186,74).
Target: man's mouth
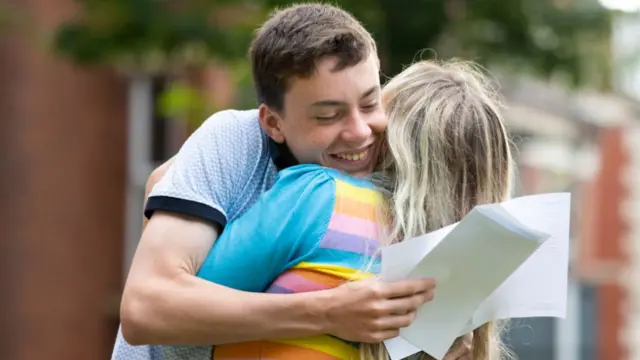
(354,157)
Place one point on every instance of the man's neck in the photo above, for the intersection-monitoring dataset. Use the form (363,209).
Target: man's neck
(281,156)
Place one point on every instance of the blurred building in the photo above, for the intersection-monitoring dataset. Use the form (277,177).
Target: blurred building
(73,168)
(69,201)
(585,143)
(62,176)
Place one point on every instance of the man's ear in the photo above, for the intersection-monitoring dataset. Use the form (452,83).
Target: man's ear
(270,122)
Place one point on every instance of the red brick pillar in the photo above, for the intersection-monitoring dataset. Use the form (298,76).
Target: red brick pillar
(630,212)
(62,171)
(607,246)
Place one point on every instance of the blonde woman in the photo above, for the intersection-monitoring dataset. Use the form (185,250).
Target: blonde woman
(446,150)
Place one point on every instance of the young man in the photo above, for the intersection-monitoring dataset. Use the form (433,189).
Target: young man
(316,73)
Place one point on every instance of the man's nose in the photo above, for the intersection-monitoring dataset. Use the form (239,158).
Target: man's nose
(357,129)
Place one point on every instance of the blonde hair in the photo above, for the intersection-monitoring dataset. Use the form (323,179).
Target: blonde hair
(447,150)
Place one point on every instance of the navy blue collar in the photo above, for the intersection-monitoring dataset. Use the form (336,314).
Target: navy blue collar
(281,155)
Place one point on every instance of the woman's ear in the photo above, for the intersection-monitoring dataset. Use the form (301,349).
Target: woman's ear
(270,123)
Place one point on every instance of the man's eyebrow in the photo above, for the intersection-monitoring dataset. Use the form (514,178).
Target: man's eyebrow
(323,103)
(369,92)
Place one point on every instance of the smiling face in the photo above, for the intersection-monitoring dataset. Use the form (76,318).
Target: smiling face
(332,118)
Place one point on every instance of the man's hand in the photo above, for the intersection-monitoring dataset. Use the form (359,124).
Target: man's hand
(164,302)
(372,311)
(462,349)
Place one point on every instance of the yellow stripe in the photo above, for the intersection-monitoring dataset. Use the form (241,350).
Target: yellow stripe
(335,270)
(363,195)
(325,344)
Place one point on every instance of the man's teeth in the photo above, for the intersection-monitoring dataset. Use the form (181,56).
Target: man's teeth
(353,157)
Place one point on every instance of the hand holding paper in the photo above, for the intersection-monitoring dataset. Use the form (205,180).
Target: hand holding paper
(487,267)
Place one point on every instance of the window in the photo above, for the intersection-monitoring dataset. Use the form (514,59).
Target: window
(532,338)
(152,139)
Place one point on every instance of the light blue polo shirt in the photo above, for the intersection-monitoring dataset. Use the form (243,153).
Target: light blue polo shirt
(221,169)
(217,175)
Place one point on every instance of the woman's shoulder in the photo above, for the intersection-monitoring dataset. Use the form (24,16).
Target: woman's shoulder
(310,171)
(315,181)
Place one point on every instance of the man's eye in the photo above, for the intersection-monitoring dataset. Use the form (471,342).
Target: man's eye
(371,106)
(327,117)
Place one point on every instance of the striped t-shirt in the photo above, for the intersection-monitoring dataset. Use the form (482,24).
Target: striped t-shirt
(315,229)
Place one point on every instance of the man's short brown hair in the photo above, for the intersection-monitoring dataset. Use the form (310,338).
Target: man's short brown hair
(294,39)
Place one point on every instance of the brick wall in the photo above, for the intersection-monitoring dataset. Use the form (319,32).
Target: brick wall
(62,157)
(603,257)
(630,212)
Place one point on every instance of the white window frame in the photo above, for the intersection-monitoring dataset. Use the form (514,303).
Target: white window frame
(140,105)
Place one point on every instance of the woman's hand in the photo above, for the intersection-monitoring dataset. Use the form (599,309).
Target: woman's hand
(462,349)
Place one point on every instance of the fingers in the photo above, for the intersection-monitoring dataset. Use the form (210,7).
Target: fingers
(468,339)
(372,310)
(399,306)
(462,349)
(460,352)
(395,311)
(396,322)
(380,336)
(404,288)
(401,312)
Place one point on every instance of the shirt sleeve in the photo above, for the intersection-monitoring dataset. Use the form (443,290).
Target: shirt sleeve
(281,229)
(209,171)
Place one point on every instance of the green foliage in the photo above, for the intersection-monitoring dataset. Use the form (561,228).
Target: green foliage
(246,95)
(154,35)
(16,20)
(550,38)
(186,103)
(538,36)
(5,18)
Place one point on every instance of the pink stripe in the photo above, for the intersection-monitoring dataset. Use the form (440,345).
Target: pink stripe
(296,283)
(354,226)
(338,240)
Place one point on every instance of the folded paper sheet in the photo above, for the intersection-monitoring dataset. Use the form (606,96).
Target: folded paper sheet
(506,260)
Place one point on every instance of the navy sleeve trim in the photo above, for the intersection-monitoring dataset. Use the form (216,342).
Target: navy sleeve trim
(185,207)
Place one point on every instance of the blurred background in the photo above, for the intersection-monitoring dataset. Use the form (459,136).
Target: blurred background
(94,94)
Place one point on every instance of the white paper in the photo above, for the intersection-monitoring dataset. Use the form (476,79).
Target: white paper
(539,287)
(401,258)
(467,269)
(399,348)
(535,287)
(398,262)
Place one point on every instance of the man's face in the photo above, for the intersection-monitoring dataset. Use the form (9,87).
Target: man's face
(334,118)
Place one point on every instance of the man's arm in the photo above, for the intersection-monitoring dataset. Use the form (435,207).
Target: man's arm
(295,315)
(142,324)
(165,303)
